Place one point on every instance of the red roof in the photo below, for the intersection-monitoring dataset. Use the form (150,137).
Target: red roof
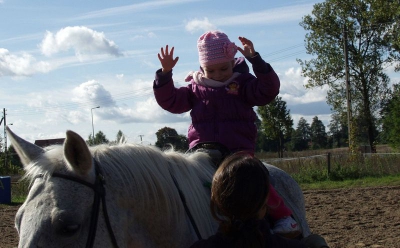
(49,142)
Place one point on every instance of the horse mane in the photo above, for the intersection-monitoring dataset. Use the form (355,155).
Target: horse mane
(146,173)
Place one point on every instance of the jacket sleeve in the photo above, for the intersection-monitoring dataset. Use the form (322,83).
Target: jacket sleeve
(174,100)
(264,87)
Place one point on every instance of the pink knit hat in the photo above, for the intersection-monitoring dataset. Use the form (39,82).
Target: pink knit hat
(214,48)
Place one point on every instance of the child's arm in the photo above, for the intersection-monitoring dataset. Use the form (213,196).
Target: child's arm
(174,100)
(263,88)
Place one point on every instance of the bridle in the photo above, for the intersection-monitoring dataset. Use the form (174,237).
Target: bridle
(99,194)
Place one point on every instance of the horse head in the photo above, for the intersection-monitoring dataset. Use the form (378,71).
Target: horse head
(56,212)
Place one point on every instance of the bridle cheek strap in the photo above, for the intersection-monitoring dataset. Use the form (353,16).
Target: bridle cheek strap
(99,196)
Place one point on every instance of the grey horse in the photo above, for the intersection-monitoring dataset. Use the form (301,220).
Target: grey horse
(122,195)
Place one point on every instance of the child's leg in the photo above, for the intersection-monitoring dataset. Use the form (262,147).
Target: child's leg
(277,207)
(280,214)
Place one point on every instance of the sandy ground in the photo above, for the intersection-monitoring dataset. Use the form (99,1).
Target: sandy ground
(365,217)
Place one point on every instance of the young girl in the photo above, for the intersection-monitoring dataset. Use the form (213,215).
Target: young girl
(239,196)
(221,97)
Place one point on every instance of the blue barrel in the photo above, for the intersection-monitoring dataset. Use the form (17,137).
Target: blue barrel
(5,190)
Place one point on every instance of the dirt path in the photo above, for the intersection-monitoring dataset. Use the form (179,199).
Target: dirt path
(368,217)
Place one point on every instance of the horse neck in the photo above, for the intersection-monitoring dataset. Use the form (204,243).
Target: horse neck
(141,181)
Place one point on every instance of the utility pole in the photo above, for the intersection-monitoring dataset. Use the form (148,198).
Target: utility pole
(91,111)
(5,136)
(348,92)
(141,135)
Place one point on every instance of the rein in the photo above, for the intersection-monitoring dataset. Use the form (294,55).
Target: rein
(183,199)
(99,195)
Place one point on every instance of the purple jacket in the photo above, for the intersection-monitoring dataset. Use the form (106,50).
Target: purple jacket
(222,114)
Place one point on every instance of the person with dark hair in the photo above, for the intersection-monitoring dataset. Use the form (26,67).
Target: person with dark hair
(239,195)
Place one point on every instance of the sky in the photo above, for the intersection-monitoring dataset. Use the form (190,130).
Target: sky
(59,60)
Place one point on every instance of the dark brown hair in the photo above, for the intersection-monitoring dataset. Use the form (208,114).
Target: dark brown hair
(239,189)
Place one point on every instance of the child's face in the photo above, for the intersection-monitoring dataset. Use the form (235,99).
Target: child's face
(219,72)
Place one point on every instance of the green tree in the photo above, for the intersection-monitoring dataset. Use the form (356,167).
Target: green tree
(391,118)
(366,24)
(393,37)
(301,136)
(13,157)
(319,137)
(99,138)
(167,136)
(263,144)
(120,137)
(338,130)
(276,122)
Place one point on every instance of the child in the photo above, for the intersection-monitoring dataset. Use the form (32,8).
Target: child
(221,97)
(239,196)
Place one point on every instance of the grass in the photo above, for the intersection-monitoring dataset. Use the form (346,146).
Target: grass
(19,191)
(358,183)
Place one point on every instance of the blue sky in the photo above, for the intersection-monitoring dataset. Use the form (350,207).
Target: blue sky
(59,59)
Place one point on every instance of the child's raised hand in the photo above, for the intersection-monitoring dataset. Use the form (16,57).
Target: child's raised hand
(248,48)
(167,59)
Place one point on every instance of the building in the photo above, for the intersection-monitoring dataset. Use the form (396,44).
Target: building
(49,142)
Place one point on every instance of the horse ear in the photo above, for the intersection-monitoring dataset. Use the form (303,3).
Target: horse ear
(26,151)
(77,153)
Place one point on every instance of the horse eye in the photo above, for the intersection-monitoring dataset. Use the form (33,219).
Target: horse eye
(66,228)
(71,229)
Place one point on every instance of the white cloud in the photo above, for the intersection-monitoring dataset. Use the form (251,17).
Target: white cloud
(142,36)
(265,17)
(151,35)
(76,117)
(270,16)
(196,24)
(82,40)
(143,110)
(21,65)
(147,5)
(293,91)
(94,93)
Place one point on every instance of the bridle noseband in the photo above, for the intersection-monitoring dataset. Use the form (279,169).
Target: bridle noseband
(99,194)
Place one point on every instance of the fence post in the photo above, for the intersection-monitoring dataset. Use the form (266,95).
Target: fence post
(329,162)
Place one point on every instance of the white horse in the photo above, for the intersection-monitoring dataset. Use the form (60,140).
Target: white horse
(124,195)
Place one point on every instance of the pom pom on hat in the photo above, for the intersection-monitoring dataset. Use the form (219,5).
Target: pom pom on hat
(214,48)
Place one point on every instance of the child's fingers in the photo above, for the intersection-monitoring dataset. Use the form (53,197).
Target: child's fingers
(240,50)
(166,49)
(243,40)
(162,51)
